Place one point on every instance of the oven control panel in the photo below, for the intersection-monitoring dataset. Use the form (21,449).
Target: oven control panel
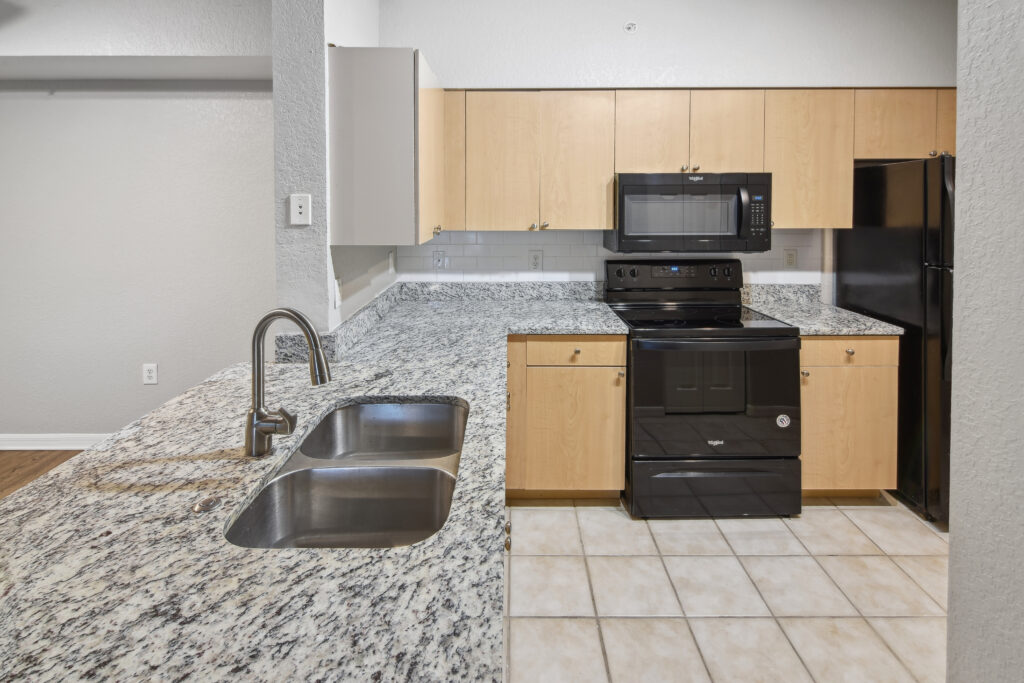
(675,274)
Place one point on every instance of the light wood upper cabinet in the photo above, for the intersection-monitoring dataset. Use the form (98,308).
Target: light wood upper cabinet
(430,121)
(455,160)
(727,131)
(652,131)
(895,123)
(502,160)
(848,413)
(577,159)
(808,149)
(945,125)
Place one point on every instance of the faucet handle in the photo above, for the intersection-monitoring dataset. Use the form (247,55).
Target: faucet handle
(278,421)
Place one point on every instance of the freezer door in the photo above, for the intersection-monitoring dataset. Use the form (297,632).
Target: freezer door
(878,262)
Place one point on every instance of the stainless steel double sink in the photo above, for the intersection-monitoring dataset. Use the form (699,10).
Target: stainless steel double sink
(372,474)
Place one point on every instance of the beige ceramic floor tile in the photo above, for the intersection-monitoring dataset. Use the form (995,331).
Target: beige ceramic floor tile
(747,651)
(688,537)
(919,642)
(644,650)
(549,587)
(816,501)
(898,532)
(931,573)
(797,587)
(877,587)
(760,537)
(555,650)
(714,587)
(844,650)
(830,532)
(613,532)
(632,587)
(545,532)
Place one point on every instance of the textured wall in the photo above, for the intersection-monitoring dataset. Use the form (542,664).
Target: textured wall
(305,277)
(986,606)
(580,255)
(352,23)
(136,226)
(135,27)
(581,43)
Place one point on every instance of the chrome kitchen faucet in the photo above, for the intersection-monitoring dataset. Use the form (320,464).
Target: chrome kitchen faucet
(262,424)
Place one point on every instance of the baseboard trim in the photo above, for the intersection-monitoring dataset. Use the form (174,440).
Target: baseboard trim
(49,442)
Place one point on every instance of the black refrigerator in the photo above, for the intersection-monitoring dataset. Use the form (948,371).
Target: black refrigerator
(896,264)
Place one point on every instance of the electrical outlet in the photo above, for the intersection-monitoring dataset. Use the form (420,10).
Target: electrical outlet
(440,261)
(299,209)
(536,260)
(149,373)
(789,261)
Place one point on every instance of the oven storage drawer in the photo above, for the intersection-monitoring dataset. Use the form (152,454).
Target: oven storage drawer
(720,488)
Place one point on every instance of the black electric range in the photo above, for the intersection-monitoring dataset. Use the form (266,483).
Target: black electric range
(713,424)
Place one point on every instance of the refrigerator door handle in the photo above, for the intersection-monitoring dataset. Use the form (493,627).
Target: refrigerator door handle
(947,224)
(947,326)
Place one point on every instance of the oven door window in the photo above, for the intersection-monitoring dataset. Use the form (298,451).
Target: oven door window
(697,211)
(707,403)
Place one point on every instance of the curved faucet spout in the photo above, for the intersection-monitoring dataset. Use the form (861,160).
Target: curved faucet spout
(261,423)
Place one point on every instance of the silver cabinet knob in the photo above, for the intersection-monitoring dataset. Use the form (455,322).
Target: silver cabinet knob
(508,528)
(805,373)
(773,224)
(508,543)
(577,351)
(685,168)
(932,153)
(533,226)
(850,352)
(437,230)
(544,225)
(621,373)
(696,167)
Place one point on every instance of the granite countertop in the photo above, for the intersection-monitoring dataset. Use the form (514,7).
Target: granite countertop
(106,573)
(801,305)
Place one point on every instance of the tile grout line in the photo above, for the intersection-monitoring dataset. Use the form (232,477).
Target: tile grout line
(757,588)
(679,600)
(593,599)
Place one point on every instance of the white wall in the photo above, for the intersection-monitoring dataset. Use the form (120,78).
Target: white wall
(352,23)
(135,27)
(137,226)
(581,43)
(580,255)
(986,602)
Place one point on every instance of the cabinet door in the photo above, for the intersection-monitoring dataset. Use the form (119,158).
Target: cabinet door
(727,131)
(894,123)
(430,155)
(652,131)
(577,159)
(455,160)
(577,429)
(945,121)
(808,148)
(848,427)
(502,160)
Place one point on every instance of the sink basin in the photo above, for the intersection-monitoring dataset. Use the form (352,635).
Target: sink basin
(372,474)
(351,507)
(375,431)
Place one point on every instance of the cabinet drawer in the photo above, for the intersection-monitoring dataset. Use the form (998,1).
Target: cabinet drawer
(849,351)
(592,350)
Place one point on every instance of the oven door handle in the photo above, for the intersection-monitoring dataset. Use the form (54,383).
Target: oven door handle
(720,344)
(714,473)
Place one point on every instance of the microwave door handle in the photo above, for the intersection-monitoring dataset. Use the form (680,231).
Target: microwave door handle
(744,227)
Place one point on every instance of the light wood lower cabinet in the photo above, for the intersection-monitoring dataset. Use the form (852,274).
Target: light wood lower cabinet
(566,422)
(848,412)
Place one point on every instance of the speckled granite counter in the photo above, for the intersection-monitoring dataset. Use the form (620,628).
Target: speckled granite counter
(106,573)
(801,305)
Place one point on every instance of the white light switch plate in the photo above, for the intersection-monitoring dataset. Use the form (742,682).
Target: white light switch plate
(299,209)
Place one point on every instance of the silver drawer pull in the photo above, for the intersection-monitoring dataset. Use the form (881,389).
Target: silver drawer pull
(578,351)
(621,373)
(850,352)
(805,373)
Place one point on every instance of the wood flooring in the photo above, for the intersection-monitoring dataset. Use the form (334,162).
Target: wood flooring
(18,468)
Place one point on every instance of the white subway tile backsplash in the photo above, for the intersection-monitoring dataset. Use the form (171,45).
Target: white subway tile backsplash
(580,255)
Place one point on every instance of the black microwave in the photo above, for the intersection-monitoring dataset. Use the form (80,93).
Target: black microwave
(691,212)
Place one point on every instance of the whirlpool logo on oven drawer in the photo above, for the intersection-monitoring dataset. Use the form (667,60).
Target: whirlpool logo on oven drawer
(783,421)
(715,442)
